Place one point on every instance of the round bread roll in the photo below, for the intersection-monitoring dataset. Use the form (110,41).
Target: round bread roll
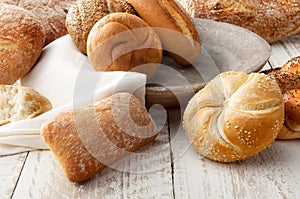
(291,129)
(124,42)
(82,17)
(271,19)
(175,29)
(51,13)
(292,65)
(235,116)
(22,38)
(286,80)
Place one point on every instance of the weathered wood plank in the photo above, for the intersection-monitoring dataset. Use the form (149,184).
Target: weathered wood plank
(10,169)
(284,50)
(271,174)
(146,175)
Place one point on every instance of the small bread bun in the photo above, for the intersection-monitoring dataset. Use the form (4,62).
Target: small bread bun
(291,128)
(88,139)
(82,17)
(176,29)
(51,13)
(22,38)
(292,65)
(19,103)
(235,116)
(285,79)
(121,42)
(288,79)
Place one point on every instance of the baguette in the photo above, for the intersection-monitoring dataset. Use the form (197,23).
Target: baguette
(175,28)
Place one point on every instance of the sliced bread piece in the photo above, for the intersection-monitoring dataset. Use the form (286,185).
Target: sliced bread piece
(18,103)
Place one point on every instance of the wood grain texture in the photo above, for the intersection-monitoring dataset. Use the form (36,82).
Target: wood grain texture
(10,169)
(167,168)
(284,50)
(146,174)
(271,174)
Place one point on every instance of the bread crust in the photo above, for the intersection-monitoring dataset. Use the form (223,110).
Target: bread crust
(84,14)
(88,139)
(291,129)
(51,13)
(117,33)
(272,19)
(22,38)
(184,47)
(235,116)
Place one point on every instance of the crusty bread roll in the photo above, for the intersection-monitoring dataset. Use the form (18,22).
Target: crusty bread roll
(88,139)
(235,116)
(51,13)
(22,38)
(285,79)
(290,88)
(19,103)
(121,42)
(82,17)
(175,28)
(271,19)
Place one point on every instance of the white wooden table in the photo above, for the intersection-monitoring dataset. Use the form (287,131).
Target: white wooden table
(170,167)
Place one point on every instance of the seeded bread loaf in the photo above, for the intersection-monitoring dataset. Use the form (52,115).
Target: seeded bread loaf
(84,14)
(271,19)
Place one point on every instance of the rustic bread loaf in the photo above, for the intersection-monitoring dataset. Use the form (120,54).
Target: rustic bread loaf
(124,42)
(82,17)
(19,103)
(235,116)
(51,13)
(174,27)
(22,38)
(88,139)
(271,19)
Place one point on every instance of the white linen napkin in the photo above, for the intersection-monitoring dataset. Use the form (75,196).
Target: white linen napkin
(66,78)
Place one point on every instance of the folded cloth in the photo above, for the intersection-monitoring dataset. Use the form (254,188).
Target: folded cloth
(66,78)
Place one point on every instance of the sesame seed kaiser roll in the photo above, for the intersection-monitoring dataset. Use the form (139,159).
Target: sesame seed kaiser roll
(183,41)
(121,42)
(235,116)
(85,13)
(22,38)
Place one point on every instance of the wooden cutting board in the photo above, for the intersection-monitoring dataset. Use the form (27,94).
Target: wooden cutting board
(225,47)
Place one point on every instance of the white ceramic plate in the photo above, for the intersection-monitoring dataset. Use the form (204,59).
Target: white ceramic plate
(225,47)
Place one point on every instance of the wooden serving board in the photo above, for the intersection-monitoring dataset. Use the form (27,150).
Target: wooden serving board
(225,47)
